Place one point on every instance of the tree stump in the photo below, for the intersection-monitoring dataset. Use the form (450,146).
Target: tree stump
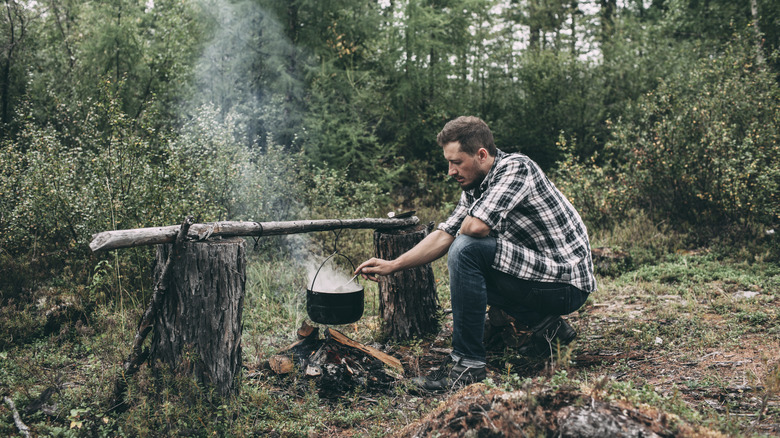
(407,299)
(197,329)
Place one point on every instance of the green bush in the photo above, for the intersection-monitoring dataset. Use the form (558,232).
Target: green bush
(601,196)
(101,171)
(704,149)
(219,174)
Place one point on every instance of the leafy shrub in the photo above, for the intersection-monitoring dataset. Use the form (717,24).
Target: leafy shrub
(601,196)
(330,195)
(220,174)
(704,148)
(101,171)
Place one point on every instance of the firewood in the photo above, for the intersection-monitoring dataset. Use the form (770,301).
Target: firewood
(373,352)
(313,370)
(307,330)
(293,345)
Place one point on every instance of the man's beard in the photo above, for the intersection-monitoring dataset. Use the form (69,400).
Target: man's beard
(480,176)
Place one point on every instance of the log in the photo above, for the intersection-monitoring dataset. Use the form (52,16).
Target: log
(116,239)
(197,330)
(343,339)
(407,299)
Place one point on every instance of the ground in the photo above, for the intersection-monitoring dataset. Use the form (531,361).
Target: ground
(688,346)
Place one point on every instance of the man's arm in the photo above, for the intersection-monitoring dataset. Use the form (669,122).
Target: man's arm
(429,249)
(474,227)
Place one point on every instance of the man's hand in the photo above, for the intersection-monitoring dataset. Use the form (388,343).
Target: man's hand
(373,267)
(474,227)
(429,249)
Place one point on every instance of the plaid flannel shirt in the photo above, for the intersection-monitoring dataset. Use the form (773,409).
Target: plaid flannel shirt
(539,234)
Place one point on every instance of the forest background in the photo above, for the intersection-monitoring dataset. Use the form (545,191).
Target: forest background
(121,114)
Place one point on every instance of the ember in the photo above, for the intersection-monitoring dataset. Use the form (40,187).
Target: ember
(339,364)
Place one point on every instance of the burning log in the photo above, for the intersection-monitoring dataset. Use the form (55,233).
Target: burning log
(338,362)
(344,340)
(108,240)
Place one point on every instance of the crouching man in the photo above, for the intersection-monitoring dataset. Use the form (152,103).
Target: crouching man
(514,242)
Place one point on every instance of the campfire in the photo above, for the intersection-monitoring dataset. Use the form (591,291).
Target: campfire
(338,363)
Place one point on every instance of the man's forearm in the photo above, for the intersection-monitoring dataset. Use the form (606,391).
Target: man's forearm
(474,227)
(434,245)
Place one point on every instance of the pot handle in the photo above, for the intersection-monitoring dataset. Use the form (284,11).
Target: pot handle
(313,280)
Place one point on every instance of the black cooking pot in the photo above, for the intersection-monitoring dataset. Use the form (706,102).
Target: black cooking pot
(341,306)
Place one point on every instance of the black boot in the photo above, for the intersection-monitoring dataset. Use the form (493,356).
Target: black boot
(450,375)
(548,332)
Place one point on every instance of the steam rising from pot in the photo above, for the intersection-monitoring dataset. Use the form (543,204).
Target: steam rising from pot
(330,279)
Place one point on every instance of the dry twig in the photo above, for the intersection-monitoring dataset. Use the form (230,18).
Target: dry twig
(23,429)
(138,354)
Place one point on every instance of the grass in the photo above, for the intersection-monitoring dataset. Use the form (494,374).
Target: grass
(675,330)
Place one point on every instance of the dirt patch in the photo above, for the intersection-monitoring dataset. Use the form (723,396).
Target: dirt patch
(734,378)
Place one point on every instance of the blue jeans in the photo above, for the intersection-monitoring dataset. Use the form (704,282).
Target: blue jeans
(474,284)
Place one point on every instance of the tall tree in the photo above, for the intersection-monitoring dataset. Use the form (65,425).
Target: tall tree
(607,11)
(15,21)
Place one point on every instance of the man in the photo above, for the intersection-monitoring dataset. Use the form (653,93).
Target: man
(513,242)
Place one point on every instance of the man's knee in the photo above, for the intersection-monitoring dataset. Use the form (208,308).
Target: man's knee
(472,248)
(462,245)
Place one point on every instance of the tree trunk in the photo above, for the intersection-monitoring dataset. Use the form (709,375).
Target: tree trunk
(197,330)
(757,30)
(607,17)
(407,299)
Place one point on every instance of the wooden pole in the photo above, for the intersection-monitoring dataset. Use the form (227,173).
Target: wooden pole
(108,240)
(23,429)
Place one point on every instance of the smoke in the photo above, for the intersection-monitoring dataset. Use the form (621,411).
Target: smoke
(251,68)
(246,72)
(223,74)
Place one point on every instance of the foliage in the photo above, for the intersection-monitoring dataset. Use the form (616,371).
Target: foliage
(552,94)
(600,195)
(16,48)
(64,186)
(110,173)
(704,148)
(340,128)
(331,193)
(143,52)
(219,178)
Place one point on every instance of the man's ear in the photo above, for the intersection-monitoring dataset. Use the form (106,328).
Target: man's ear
(482,154)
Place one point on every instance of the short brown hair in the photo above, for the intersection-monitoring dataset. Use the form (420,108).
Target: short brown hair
(471,132)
